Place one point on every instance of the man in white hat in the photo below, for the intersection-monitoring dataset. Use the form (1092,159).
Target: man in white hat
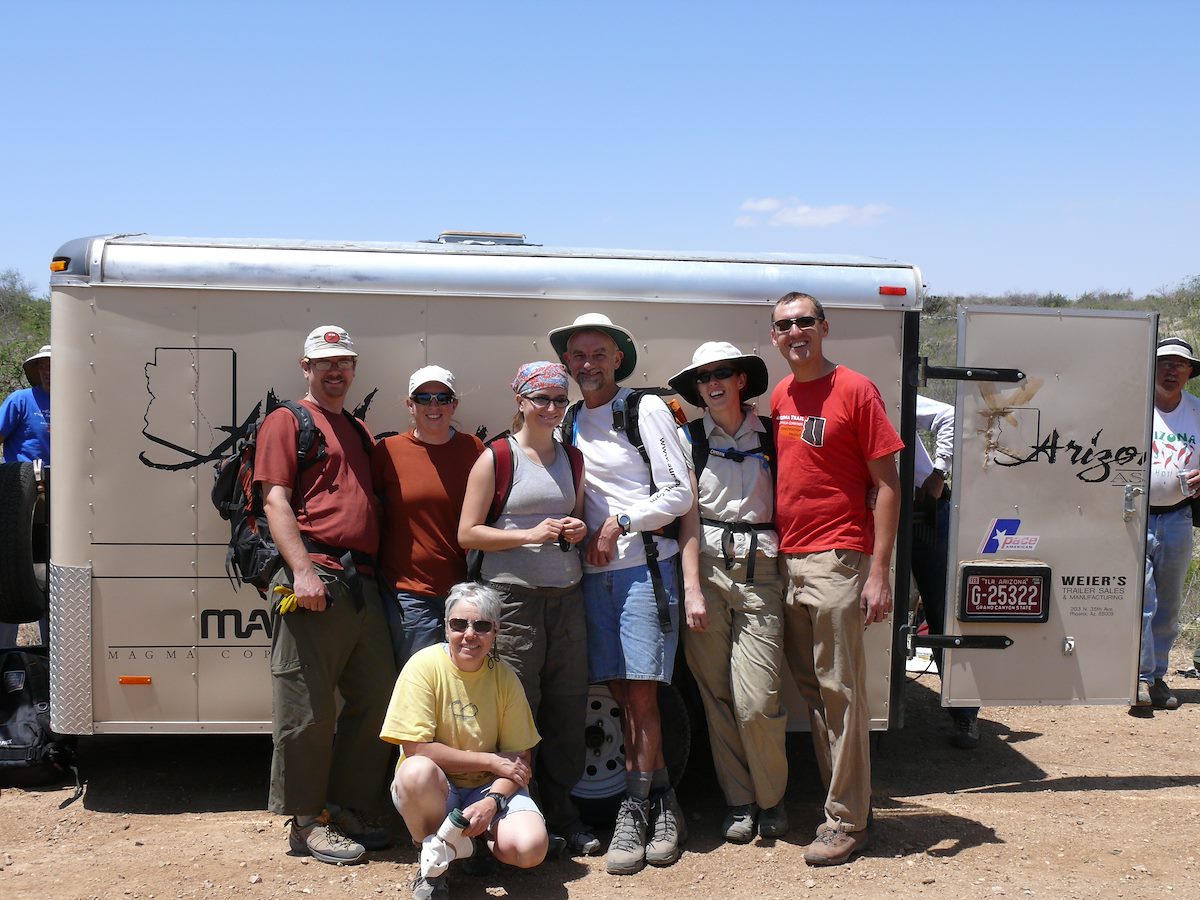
(1174,480)
(25,433)
(632,600)
(327,768)
(835,443)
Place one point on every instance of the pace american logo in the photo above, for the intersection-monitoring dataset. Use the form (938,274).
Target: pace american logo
(1002,535)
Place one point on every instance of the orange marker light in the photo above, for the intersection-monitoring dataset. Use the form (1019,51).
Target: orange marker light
(889,291)
(59,264)
(134,679)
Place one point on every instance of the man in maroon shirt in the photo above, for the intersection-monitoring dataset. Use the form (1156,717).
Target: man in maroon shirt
(327,770)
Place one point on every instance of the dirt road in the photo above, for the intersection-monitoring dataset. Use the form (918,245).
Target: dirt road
(1056,802)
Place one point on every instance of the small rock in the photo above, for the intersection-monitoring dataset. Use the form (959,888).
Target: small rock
(928,880)
(810,883)
(255,879)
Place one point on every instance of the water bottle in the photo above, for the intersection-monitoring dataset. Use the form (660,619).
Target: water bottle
(445,845)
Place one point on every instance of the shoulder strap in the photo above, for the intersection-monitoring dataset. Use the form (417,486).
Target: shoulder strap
(700,449)
(575,458)
(307,451)
(504,465)
(567,428)
(360,426)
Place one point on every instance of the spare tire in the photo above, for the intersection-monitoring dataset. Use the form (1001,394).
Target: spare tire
(24,545)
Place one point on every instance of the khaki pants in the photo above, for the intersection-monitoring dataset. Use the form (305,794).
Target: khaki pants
(737,663)
(313,654)
(823,640)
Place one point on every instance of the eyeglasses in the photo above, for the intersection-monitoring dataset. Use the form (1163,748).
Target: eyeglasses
(541,401)
(783,326)
(324,365)
(720,374)
(444,398)
(460,626)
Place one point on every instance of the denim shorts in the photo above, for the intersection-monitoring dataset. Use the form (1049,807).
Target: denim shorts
(624,638)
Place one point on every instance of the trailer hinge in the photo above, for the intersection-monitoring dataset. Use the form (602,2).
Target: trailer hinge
(912,641)
(925,371)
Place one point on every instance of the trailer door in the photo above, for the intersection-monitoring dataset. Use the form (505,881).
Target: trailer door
(1048,521)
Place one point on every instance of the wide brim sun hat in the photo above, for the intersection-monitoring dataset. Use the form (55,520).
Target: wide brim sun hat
(599,322)
(1171,346)
(30,366)
(684,382)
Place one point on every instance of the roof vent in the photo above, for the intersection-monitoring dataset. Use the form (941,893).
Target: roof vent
(485,238)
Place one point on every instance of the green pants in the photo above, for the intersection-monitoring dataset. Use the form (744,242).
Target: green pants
(323,756)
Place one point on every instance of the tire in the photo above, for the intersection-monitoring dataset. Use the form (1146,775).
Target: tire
(598,793)
(24,545)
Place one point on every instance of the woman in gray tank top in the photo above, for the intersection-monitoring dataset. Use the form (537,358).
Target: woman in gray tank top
(531,558)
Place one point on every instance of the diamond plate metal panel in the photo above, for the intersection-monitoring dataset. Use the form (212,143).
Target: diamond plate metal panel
(71,649)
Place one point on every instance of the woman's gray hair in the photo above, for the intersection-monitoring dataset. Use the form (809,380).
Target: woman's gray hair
(483,598)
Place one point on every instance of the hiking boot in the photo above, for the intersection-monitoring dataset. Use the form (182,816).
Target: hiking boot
(323,840)
(773,821)
(1160,695)
(738,826)
(966,731)
(833,847)
(1143,694)
(370,834)
(825,826)
(627,849)
(581,842)
(669,830)
(430,888)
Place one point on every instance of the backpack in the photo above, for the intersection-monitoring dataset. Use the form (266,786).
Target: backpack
(504,465)
(625,420)
(252,557)
(30,753)
(701,450)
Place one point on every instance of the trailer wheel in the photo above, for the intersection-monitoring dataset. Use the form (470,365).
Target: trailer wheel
(24,545)
(599,791)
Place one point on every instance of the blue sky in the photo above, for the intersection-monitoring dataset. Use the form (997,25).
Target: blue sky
(1000,146)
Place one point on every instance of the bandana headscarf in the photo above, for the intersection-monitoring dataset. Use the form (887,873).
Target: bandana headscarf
(540,376)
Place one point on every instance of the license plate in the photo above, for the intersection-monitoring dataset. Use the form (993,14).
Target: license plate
(1005,596)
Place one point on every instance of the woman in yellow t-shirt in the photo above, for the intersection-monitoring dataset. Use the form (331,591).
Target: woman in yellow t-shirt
(466,736)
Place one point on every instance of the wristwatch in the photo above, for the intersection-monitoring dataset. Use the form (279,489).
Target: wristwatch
(623,521)
(500,800)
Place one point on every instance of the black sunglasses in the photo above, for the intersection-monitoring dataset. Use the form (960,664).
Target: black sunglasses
(444,398)
(721,374)
(783,326)
(459,626)
(541,401)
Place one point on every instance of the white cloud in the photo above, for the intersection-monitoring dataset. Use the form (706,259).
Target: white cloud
(766,204)
(794,214)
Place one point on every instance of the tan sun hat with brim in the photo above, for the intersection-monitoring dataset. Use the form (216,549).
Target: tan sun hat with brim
(710,352)
(1171,346)
(31,369)
(599,322)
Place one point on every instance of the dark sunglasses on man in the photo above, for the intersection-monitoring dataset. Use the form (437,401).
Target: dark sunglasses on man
(783,326)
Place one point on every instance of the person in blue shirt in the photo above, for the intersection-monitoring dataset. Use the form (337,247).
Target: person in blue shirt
(25,433)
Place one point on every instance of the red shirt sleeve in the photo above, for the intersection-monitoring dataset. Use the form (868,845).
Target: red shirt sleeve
(275,459)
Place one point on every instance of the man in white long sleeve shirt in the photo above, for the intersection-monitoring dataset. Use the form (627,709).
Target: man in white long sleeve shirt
(632,602)
(931,533)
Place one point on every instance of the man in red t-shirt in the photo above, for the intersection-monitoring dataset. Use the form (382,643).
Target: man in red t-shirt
(834,442)
(327,769)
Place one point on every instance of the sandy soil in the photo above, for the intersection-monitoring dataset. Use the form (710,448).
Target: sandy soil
(1056,802)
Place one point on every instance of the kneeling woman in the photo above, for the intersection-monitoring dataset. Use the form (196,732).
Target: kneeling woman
(466,736)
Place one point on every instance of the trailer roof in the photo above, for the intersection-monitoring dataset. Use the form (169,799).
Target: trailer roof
(483,269)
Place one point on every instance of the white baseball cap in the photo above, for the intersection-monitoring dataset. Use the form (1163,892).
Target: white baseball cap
(430,373)
(328,340)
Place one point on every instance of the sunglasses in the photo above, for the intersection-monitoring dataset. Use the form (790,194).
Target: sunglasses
(460,626)
(444,398)
(324,365)
(783,326)
(721,374)
(541,401)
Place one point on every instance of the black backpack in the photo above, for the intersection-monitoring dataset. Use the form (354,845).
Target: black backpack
(252,557)
(701,450)
(30,753)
